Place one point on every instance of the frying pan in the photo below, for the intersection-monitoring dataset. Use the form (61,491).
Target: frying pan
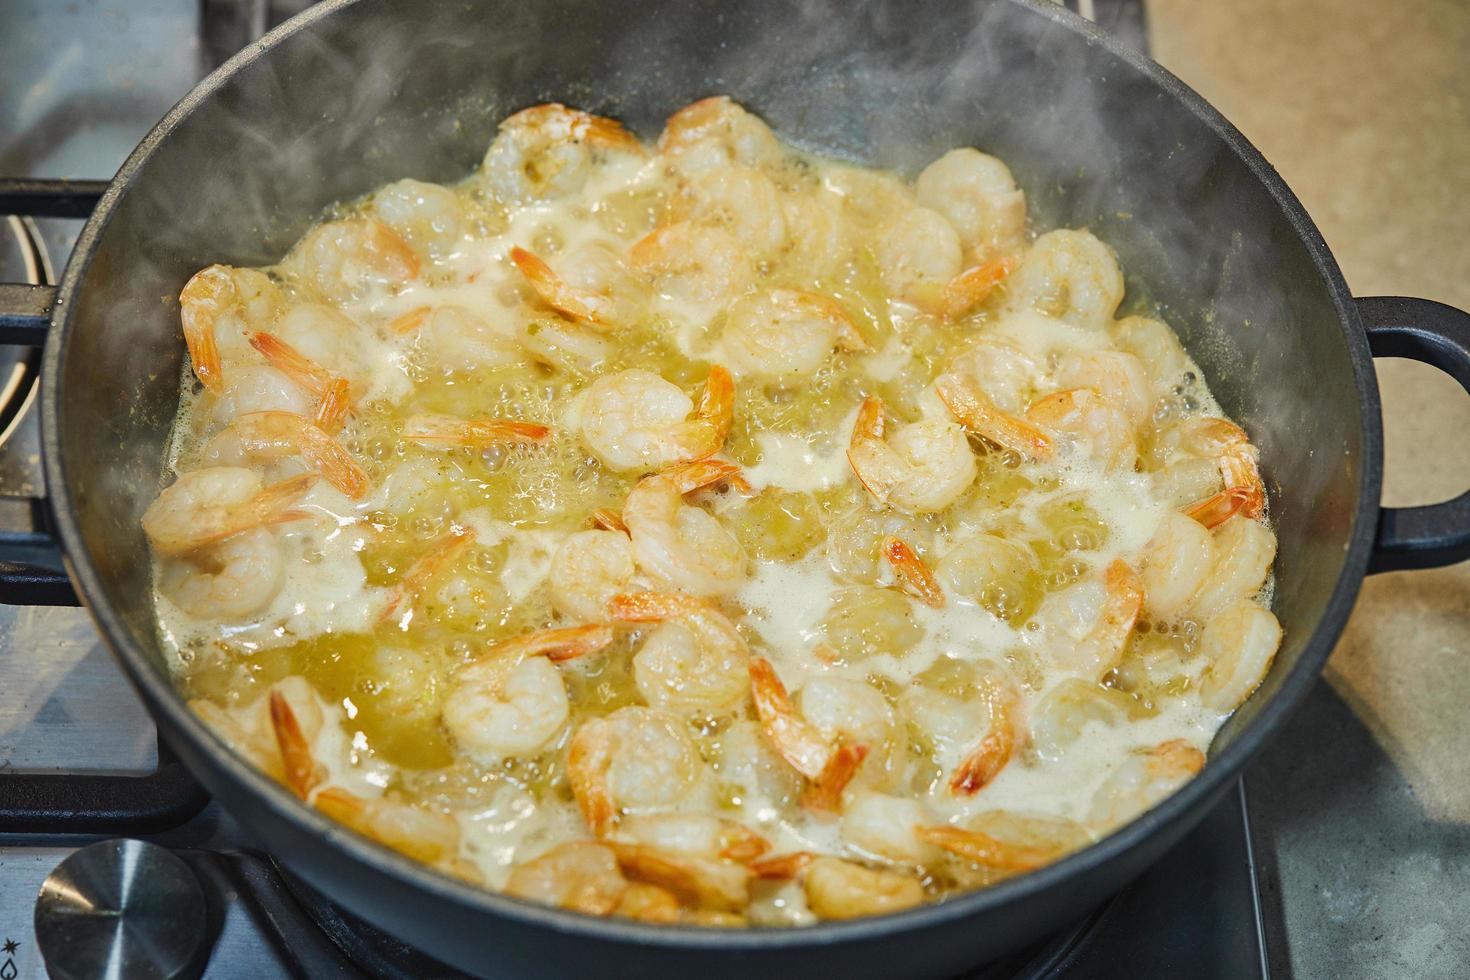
(351,95)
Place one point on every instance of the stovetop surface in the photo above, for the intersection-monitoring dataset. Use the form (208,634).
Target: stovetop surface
(79,85)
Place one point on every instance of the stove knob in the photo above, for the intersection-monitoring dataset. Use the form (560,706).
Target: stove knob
(122,909)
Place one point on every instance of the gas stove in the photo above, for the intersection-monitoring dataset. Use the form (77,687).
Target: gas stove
(112,861)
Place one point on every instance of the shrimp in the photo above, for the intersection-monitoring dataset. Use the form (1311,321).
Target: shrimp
(972,287)
(694,662)
(1120,378)
(579,875)
(886,826)
(805,748)
(1156,346)
(786,334)
(211,504)
(456,339)
(260,388)
(427,215)
(300,771)
(1244,551)
(1143,781)
(1061,716)
(635,760)
(508,705)
(990,756)
(562,343)
(635,420)
(741,200)
(922,468)
(914,576)
(697,833)
(555,644)
(708,883)
(1244,493)
(838,889)
(596,288)
(323,337)
(341,260)
(1007,840)
(817,234)
(918,252)
(967,401)
(271,435)
(1093,423)
(978,195)
(1239,644)
(238,576)
(587,570)
(1069,275)
(679,545)
(549,151)
(1175,564)
(1101,647)
(447,432)
(716,132)
(693,263)
(439,556)
(649,903)
(216,295)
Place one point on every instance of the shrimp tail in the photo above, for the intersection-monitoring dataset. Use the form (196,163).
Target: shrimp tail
(794,739)
(308,375)
(199,300)
(961,394)
(783,866)
(556,645)
(606,519)
(442,430)
(302,772)
(913,575)
(715,411)
(425,567)
(824,795)
(408,322)
(588,756)
(702,473)
(973,286)
(331,410)
(555,292)
(980,848)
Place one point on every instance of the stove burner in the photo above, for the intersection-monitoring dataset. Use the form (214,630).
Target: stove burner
(23,258)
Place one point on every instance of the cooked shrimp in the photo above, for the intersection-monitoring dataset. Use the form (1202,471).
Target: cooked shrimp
(1109,619)
(1118,377)
(786,334)
(447,432)
(325,338)
(238,576)
(587,570)
(217,297)
(1244,492)
(1090,422)
(830,763)
(696,833)
(838,889)
(1156,346)
(294,734)
(1143,781)
(680,545)
(693,263)
(886,826)
(913,575)
(1244,551)
(990,756)
(741,200)
(555,643)
(595,289)
(918,252)
(427,215)
(978,195)
(1175,564)
(716,132)
(272,435)
(634,761)
(548,151)
(562,343)
(635,420)
(1239,644)
(416,578)
(966,399)
(972,287)
(816,232)
(260,388)
(210,504)
(606,519)
(1069,275)
(921,468)
(426,835)
(506,705)
(454,338)
(1061,716)
(340,260)
(1009,841)
(694,662)
(708,883)
(649,903)
(579,875)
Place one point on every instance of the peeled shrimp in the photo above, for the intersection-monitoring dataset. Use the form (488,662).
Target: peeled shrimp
(216,305)
(978,195)
(913,575)
(822,749)
(693,263)
(696,833)
(635,420)
(1244,551)
(594,287)
(1069,275)
(679,545)
(1009,841)
(1061,716)
(261,388)
(706,883)
(786,334)
(1106,634)
(716,132)
(635,760)
(1239,644)
(965,397)
(426,215)
(587,570)
(555,643)
(1091,422)
(694,662)
(971,287)
(416,578)
(210,504)
(1175,564)
(506,705)
(549,151)
(1120,378)
(455,338)
(1143,780)
(341,260)
(331,392)
(817,233)
(886,826)
(984,762)
(1156,346)
(742,201)
(921,468)
(579,875)
(272,435)
(324,337)
(238,576)
(918,252)
(838,889)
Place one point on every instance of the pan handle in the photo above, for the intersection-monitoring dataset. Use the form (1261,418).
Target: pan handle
(1432,333)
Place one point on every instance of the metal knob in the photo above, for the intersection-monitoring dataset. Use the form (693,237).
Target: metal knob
(122,909)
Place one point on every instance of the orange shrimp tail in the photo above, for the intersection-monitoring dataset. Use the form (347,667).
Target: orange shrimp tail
(701,473)
(391,255)
(410,321)
(824,795)
(867,429)
(331,410)
(652,607)
(962,396)
(972,845)
(587,762)
(553,291)
(973,286)
(740,843)
(913,575)
(716,408)
(981,766)
(794,740)
(440,554)
(606,519)
(306,373)
(271,505)
(783,866)
(201,296)
(1218,508)
(559,644)
(435,430)
(301,770)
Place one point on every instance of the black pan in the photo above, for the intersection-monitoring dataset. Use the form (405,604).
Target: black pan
(354,94)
